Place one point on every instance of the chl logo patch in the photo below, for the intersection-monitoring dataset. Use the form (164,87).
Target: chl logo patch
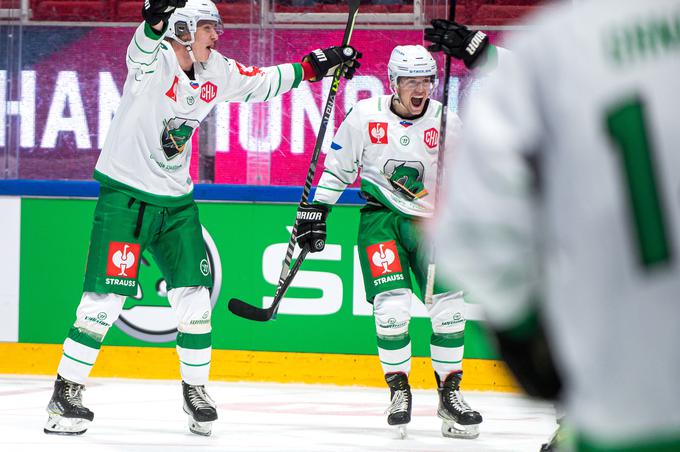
(123,259)
(431,137)
(248,71)
(383,258)
(377,131)
(208,92)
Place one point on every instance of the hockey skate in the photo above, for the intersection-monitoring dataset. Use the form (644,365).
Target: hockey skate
(67,415)
(399,411)
(200,408)
(458,419)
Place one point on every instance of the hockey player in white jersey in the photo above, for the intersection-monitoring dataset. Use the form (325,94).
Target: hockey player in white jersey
(146,200)
(562,217)
(394,141)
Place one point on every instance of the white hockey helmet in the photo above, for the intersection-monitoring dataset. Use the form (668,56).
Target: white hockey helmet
(185,20)
(410,61)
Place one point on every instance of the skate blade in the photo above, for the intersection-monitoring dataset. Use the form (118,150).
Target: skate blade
(200,428)
(455,430)
(58,425)
(401,431)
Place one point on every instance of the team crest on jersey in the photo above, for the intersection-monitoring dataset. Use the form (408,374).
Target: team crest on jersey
(384,258)
(248,71)
(377,131)
(123,259)
(431,137)
(208,92)
(177,133)
(172,92)
(406,177)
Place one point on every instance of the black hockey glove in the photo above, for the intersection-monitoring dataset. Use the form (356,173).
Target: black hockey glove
(326,61)
(154,11)
(529,356)
(311,226)
(456,41)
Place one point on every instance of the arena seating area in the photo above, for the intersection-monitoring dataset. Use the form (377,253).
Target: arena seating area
(479,12)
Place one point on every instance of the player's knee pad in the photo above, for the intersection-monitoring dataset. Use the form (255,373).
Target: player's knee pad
(392,312)
(97,312)
(447,313)
(192,307)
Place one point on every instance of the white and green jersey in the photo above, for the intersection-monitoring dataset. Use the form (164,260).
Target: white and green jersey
(373,139)
(566,189)
(148,148)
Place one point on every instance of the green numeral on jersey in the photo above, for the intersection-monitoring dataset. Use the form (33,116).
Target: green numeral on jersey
(626,125)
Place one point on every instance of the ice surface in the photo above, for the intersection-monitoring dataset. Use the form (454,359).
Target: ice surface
(146,415)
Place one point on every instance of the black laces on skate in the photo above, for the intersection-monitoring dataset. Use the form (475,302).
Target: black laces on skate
(199,398)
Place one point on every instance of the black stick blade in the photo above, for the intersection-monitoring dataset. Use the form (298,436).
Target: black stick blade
(250,312)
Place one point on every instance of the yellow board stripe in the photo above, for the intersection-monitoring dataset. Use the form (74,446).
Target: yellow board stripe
(236,365)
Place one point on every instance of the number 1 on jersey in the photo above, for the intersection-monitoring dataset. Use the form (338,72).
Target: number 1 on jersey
(627,127)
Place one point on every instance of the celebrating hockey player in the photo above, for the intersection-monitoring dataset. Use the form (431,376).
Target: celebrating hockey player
(394,140)
(175,77)
(562,216)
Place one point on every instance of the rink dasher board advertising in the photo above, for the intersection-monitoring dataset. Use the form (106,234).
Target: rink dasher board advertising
(324,311)
(323,321)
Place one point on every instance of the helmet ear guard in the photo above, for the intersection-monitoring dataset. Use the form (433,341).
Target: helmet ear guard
(181,28)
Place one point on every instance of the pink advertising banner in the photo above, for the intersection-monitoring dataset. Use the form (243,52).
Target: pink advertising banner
(72,79)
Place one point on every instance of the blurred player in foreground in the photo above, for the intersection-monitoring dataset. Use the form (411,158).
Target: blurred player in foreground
(175,78)
(562,217)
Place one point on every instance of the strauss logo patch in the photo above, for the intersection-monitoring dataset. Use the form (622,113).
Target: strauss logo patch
(377,131)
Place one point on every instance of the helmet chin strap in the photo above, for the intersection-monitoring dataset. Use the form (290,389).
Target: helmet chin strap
(191,53)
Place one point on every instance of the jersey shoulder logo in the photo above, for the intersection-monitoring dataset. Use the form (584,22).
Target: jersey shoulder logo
(248,71)
(377,131)
(431,137)
(384,258)
(208,92)
(123,259)
(172,92)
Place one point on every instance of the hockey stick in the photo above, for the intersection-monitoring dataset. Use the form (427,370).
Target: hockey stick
(248,311)
(431,270)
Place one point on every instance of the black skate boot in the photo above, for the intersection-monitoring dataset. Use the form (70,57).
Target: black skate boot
(459,420)
(399,411)
(200,408)
(67,415)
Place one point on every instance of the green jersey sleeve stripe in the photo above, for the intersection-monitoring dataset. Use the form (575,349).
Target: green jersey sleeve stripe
(297,68)
(134,39)
(268,92)
(151,34)
(331,189)
(278,88)
(143,64)
(335,176)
